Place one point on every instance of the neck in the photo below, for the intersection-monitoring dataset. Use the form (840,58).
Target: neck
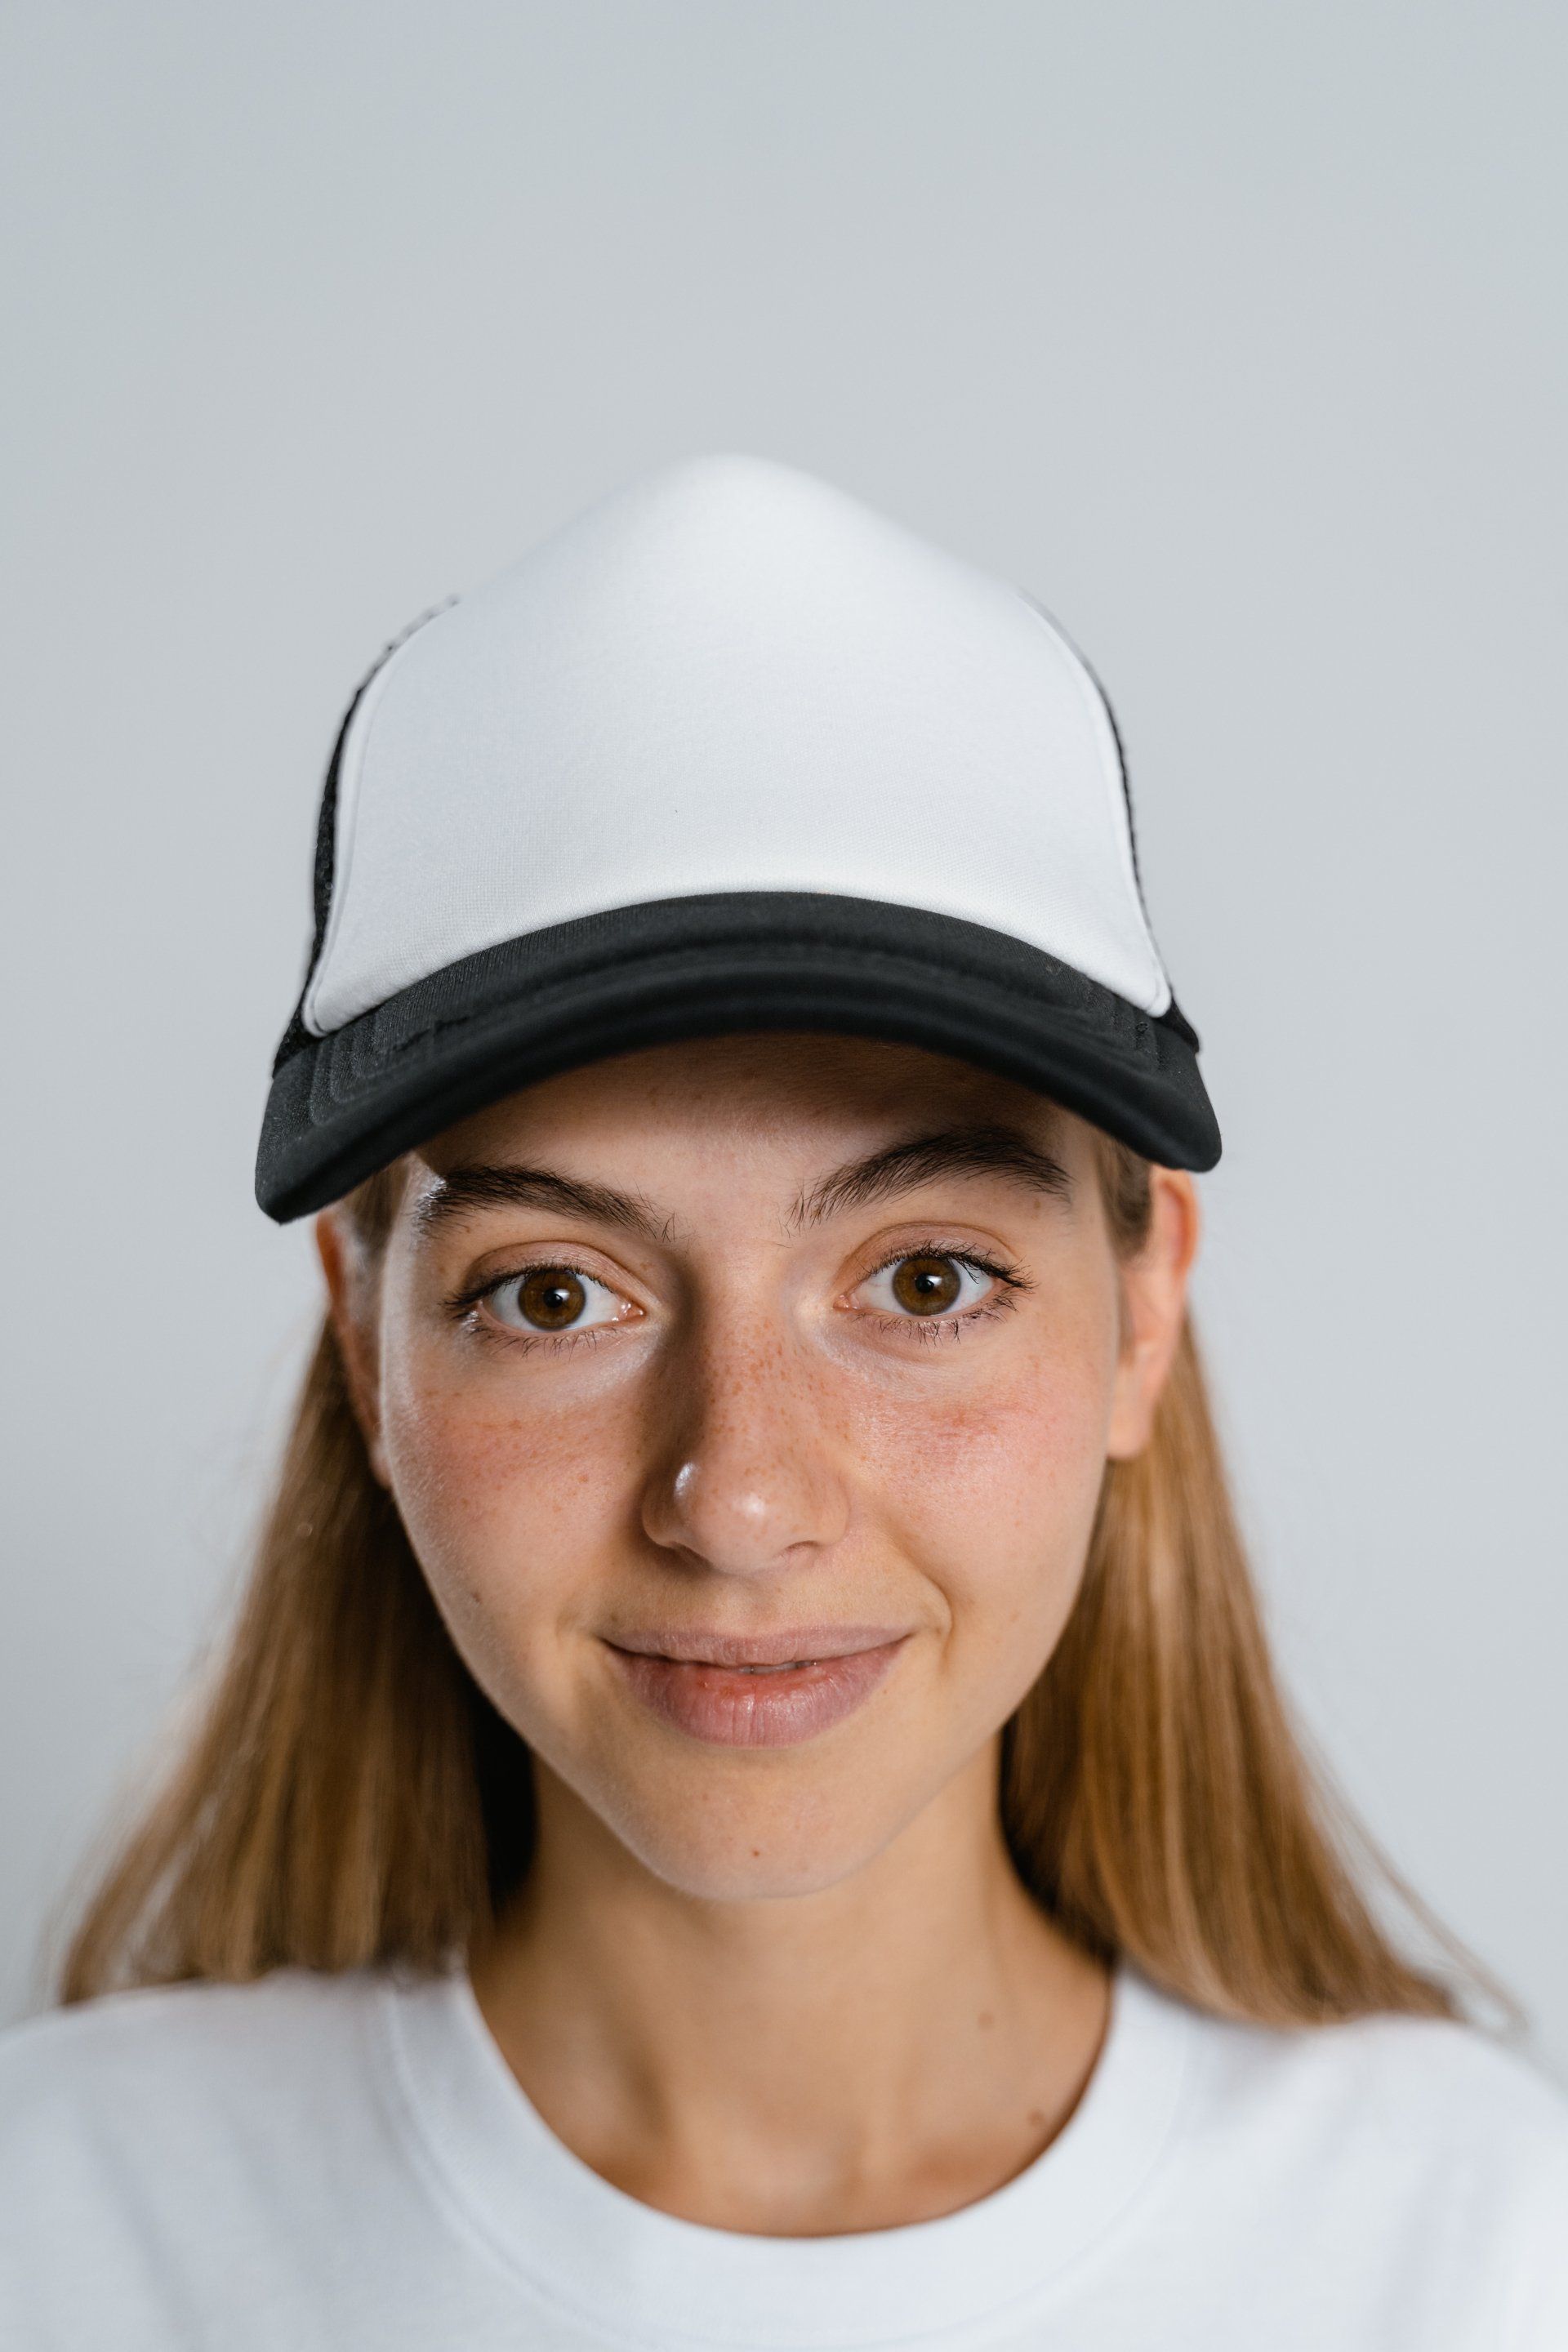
(879,2051)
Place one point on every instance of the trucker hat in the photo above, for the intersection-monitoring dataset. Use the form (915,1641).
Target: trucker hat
(728,752)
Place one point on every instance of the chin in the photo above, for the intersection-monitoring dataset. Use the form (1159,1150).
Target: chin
(724,1846)
(711,1875)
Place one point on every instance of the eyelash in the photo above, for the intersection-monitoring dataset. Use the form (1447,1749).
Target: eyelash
(463,1305)
(930,1330)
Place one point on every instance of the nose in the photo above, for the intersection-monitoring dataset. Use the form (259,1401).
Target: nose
(746,1479)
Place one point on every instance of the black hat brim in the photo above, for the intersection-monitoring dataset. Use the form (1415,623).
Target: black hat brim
(345,1105)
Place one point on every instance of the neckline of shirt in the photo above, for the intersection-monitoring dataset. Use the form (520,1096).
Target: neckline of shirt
(603,2257)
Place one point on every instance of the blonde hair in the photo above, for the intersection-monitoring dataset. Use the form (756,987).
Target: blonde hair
(349,1796)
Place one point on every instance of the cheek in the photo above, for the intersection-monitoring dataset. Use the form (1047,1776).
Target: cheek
(500,1502)
(994,1493)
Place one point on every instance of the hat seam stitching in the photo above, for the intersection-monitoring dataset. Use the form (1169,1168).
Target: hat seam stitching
(1108,735)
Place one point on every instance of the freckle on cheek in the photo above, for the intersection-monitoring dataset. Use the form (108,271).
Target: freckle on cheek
(971,1442)
(463,1449)
(462,1470)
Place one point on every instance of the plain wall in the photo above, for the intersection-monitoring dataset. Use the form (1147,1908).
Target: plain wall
(1237,334)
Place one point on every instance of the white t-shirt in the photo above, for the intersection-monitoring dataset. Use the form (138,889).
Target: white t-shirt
(345,2163)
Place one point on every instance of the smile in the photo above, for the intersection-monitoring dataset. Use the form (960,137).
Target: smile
(757,1690)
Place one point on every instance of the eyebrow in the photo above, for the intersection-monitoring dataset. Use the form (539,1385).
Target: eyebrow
(924,1159)
(879,1176)
(464,1190)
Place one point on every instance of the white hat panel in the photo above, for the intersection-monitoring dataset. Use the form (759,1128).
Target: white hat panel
(729,678)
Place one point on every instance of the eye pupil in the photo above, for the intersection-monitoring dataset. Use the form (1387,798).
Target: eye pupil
(552,1298)
(925,1285)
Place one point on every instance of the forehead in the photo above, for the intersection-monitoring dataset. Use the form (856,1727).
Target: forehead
(786,1098)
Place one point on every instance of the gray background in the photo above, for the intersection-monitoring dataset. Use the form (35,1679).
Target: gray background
(1236,333)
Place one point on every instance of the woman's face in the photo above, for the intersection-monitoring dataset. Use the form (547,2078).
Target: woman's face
(686,1367)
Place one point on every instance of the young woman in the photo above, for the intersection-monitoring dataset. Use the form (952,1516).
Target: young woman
(746,1804)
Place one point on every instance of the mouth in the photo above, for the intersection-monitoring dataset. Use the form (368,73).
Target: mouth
(769,1690)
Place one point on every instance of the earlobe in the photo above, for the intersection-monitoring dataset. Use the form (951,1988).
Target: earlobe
(1154,1306)
(353,1328)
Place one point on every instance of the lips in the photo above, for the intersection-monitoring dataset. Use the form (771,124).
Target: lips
(770,1690)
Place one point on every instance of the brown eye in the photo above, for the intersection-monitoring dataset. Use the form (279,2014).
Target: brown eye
(552,1298)
(927,1286)
(932,1286)
(555,1300)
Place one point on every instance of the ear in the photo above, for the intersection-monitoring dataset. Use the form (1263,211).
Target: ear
(351,1302)
(1154,1309)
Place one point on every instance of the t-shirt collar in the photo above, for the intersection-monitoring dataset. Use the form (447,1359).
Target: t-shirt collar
(605,2259)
